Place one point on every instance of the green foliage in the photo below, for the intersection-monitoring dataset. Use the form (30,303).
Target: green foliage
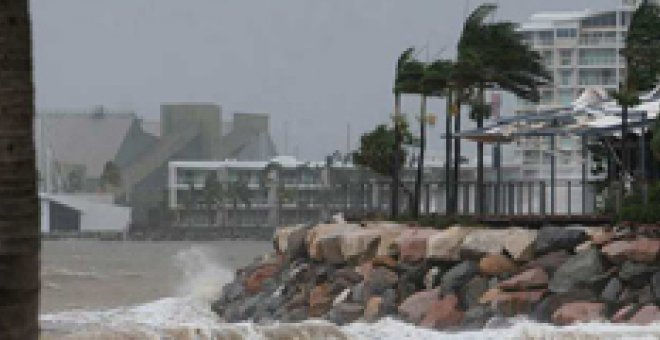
(634,210)
(655,141)
(409,73)
(494,55)
(377,149)
(437,78)
(642,49)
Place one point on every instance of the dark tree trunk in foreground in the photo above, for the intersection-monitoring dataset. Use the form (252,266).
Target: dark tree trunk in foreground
(19,213)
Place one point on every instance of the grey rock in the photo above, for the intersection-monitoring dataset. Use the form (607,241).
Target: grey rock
(655,285)
(577,271)
(636,274)
(645,296)
(295,315)
(358,293)
(379,280)
(472,291)
(344,313)
(549,262)
(232,291)
(544,310)
(458,276)
(556,238)
(477,317)
(612,290)
(389,301)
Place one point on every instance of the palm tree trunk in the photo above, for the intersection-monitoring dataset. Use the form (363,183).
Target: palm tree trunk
(19,208)
(480,156)
(457,154)
(396,157)
(448,149)
(420,162)
(625,158)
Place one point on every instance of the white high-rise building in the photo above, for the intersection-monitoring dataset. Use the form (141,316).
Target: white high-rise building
(581,50)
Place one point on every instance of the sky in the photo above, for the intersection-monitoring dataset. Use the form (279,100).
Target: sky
(316,66)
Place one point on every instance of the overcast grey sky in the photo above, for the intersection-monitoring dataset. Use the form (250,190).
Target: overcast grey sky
(316,64)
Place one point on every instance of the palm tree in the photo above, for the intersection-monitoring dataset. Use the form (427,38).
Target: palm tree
(435,81)
(408,74)
(642,68)
(19,214)
(493,55)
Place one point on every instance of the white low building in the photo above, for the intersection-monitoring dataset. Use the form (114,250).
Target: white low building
(80,215)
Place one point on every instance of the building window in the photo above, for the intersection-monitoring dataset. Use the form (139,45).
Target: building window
(598,38)
(566,77)
(566,33)
(566,57)
(598,57)
(603,20)
(598,77)
(546,38)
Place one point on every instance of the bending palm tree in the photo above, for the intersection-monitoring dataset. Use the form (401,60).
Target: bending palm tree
(493,55)
(19,224)
(435,82)
(408,74)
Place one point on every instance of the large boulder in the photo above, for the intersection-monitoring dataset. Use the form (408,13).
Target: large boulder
(443,314)
(389,232)
(374,309)
(345,312)
(458,276)
(612,291)
(414,308)
(379,280)
(549,262)
(497,264)
(512,303)
(320,300)
(519,243)
(255,281)
(655,285)
(544,310)
(529,279)
(473,290)
(412,244)
(328,249)
(481,242)
(555,238)
(579,312)
(362,242)
(640,250)
(646,315)
(636,274)
(324,241)
(578,270)
(291,240)
(446,245)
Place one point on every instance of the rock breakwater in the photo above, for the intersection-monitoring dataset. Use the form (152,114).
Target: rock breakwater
(452,279)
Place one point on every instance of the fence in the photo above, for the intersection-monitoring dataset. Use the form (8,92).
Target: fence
(309,204)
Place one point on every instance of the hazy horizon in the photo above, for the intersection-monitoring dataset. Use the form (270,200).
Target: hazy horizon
(314,65)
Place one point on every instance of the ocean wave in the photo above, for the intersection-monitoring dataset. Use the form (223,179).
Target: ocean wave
(189,318)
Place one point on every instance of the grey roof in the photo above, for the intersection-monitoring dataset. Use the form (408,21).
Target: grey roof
(85,139)
(258,147)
